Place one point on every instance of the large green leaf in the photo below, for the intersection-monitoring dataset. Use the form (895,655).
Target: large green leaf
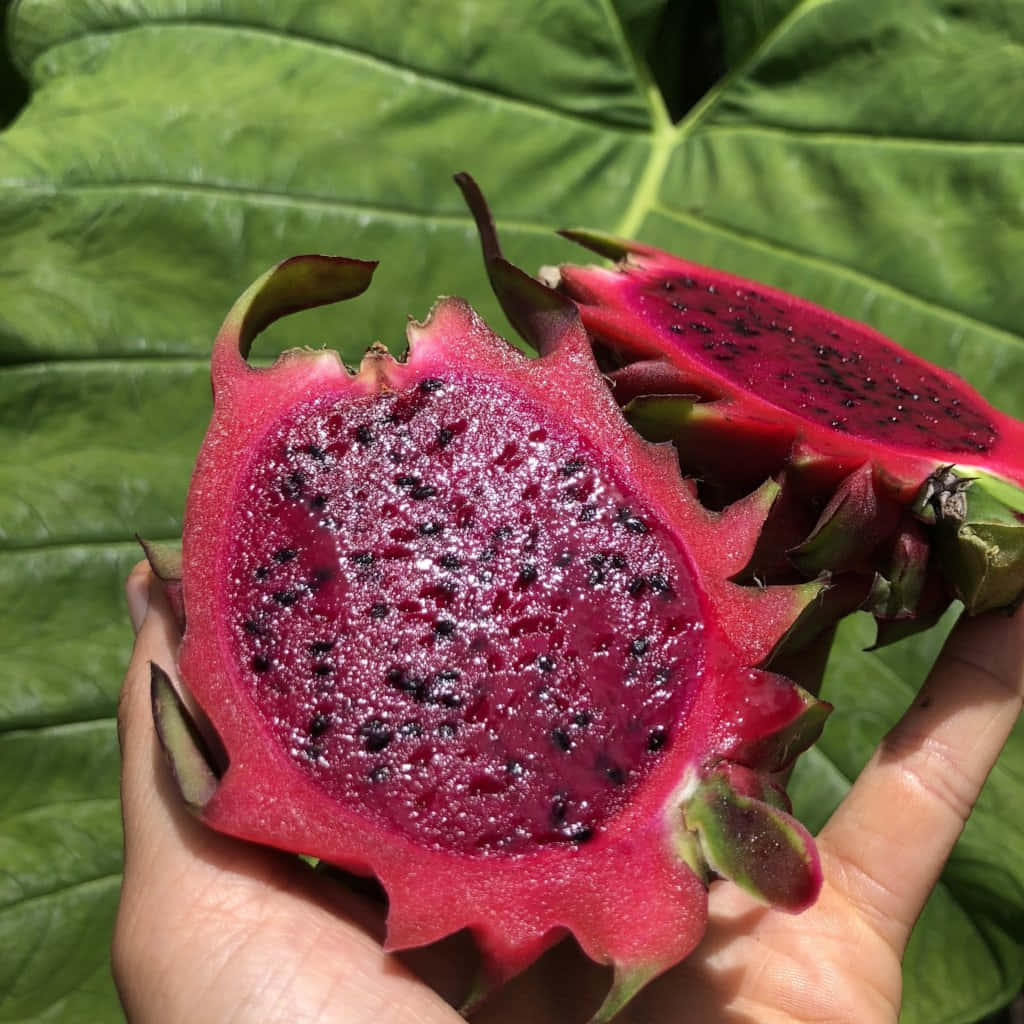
(864,155)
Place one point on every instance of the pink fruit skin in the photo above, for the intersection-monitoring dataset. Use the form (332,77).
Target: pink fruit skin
(625,894)
(723,345)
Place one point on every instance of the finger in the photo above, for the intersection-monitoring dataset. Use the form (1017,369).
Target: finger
(887,843)
(199,909)
(136,593)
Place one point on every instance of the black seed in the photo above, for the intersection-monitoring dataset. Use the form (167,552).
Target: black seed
(561,739)
(321,647)
(616,775)
(253,628)
(514,768)
(444,627)
(410,728)
(635,524)
(662,676)
(588,513)
(527,575)
(430,529)
(742,328)
(285,597)
(597,561)
(262,572)
(320,576)
(582,718)
(259,663)
(563,558)
(313,751)
(431,384)
(450,562)
(675,328)
(618,561)
(422,492)
(444,435)
(293,484)
(572,467)
(546,663)
(636,586)
(361,557)
(559,807)
(657,582)
(376,734)
(595,577)
(578,833)
(407,480)
(364,435)
(638,648)
(315,451)
(318,501)
(667,285)
(450,700)
(447,730)
(657,738)
(407,684)
(381,773)
(284,554)
(378,610)
(319,724)
(325,668)
(449,675)
(701,328)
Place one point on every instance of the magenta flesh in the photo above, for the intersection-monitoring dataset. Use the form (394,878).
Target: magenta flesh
(478,591)
(852,384)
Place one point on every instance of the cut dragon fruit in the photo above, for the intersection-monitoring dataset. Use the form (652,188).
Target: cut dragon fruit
(457,626)
(749,382)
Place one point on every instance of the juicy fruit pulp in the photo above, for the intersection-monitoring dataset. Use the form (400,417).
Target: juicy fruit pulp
(750,382)
(455,625)
(425,633)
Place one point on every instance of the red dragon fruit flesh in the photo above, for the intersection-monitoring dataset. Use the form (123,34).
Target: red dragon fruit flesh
(890,469)
(457,626)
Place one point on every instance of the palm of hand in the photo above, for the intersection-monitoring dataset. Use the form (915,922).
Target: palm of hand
(212,930)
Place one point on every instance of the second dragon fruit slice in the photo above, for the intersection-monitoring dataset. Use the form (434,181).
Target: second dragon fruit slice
(751,382)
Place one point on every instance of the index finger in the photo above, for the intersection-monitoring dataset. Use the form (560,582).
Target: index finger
(887,843)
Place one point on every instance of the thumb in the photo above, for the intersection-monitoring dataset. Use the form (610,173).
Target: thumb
(210,928)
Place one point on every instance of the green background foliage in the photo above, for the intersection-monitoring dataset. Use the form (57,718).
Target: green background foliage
(864,155)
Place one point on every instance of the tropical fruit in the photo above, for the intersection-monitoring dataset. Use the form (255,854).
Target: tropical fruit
(749,381)
(456,625)
(893,473)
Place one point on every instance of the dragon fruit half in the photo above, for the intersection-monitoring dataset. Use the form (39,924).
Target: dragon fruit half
(456,625)
(902,460)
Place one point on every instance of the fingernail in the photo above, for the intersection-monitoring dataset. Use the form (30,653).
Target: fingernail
(136,594)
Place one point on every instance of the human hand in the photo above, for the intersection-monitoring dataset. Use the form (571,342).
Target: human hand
(211,929)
